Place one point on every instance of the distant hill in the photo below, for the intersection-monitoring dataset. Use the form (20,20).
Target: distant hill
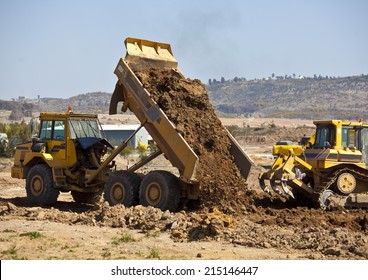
(18,109)
(94,102)
(312,98)
(309,98)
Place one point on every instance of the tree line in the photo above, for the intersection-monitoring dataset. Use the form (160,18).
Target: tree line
(275,77)
(16,133)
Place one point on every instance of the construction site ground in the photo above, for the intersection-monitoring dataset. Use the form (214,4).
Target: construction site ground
(267,228)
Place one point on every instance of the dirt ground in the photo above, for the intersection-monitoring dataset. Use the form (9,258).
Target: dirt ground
(268,228)
(235,219)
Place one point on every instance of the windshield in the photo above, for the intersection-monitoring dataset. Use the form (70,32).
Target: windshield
(84,127)
(325,136)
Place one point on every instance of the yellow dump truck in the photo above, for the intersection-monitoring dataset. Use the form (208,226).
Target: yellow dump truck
(330,170)
(68,153)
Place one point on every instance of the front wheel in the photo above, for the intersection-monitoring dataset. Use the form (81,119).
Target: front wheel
(40,185)
(160,189)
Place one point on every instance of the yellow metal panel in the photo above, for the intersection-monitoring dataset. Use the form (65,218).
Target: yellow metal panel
(285,149)
(47,156)
(143,54)
(170,142)
(17,172)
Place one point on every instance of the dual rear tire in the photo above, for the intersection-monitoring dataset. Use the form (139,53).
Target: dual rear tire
(159,189)
(122,188)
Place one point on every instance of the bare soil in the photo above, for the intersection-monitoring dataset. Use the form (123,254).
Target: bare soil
(235,221)
(266,229)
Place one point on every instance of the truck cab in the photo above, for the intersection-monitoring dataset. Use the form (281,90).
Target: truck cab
(67,149)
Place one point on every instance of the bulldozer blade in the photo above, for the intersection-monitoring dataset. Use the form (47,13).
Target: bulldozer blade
(144,54)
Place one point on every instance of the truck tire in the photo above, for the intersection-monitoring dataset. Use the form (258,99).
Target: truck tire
(82,197)
(40,185)
(123,188)
(160,189)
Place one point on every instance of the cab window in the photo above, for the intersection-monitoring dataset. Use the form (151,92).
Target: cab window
(52,130)
(46,130)
(363,145)
(325,136)
(348,137)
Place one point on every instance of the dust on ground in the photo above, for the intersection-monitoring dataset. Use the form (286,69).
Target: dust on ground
(270,229)
(235,220)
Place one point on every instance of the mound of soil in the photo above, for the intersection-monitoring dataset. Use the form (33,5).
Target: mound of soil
(338,234)
(186,104)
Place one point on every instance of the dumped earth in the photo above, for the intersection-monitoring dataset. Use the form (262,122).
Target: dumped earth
(339,234)
(232,212)
(186,104)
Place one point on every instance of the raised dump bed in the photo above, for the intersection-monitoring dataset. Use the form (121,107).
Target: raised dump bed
(161,186)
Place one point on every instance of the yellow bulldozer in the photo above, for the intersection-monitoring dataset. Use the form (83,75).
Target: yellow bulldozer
(68,152)
(329,170)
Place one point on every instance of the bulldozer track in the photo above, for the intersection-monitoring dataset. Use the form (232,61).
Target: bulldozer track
(330,180)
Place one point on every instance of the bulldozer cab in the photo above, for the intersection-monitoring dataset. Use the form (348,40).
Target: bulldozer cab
(325,136)
(362,136)
(343,136)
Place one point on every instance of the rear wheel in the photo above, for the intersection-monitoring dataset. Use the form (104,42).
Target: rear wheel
(123,188)
(40,185)
(82,197)
(160,189)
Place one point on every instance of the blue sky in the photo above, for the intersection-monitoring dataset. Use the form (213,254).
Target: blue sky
(64,48)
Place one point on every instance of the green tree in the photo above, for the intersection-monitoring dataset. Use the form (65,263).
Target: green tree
(17,133)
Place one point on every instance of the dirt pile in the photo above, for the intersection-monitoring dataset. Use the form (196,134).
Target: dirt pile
(331,235)
(186,104)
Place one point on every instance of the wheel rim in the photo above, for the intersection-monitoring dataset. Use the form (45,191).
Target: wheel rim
(346,183)
(153,193)
(37,185)
(117,193)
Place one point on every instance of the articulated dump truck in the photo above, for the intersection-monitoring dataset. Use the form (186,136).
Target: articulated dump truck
(330,170)
(68,153)
(160,188)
